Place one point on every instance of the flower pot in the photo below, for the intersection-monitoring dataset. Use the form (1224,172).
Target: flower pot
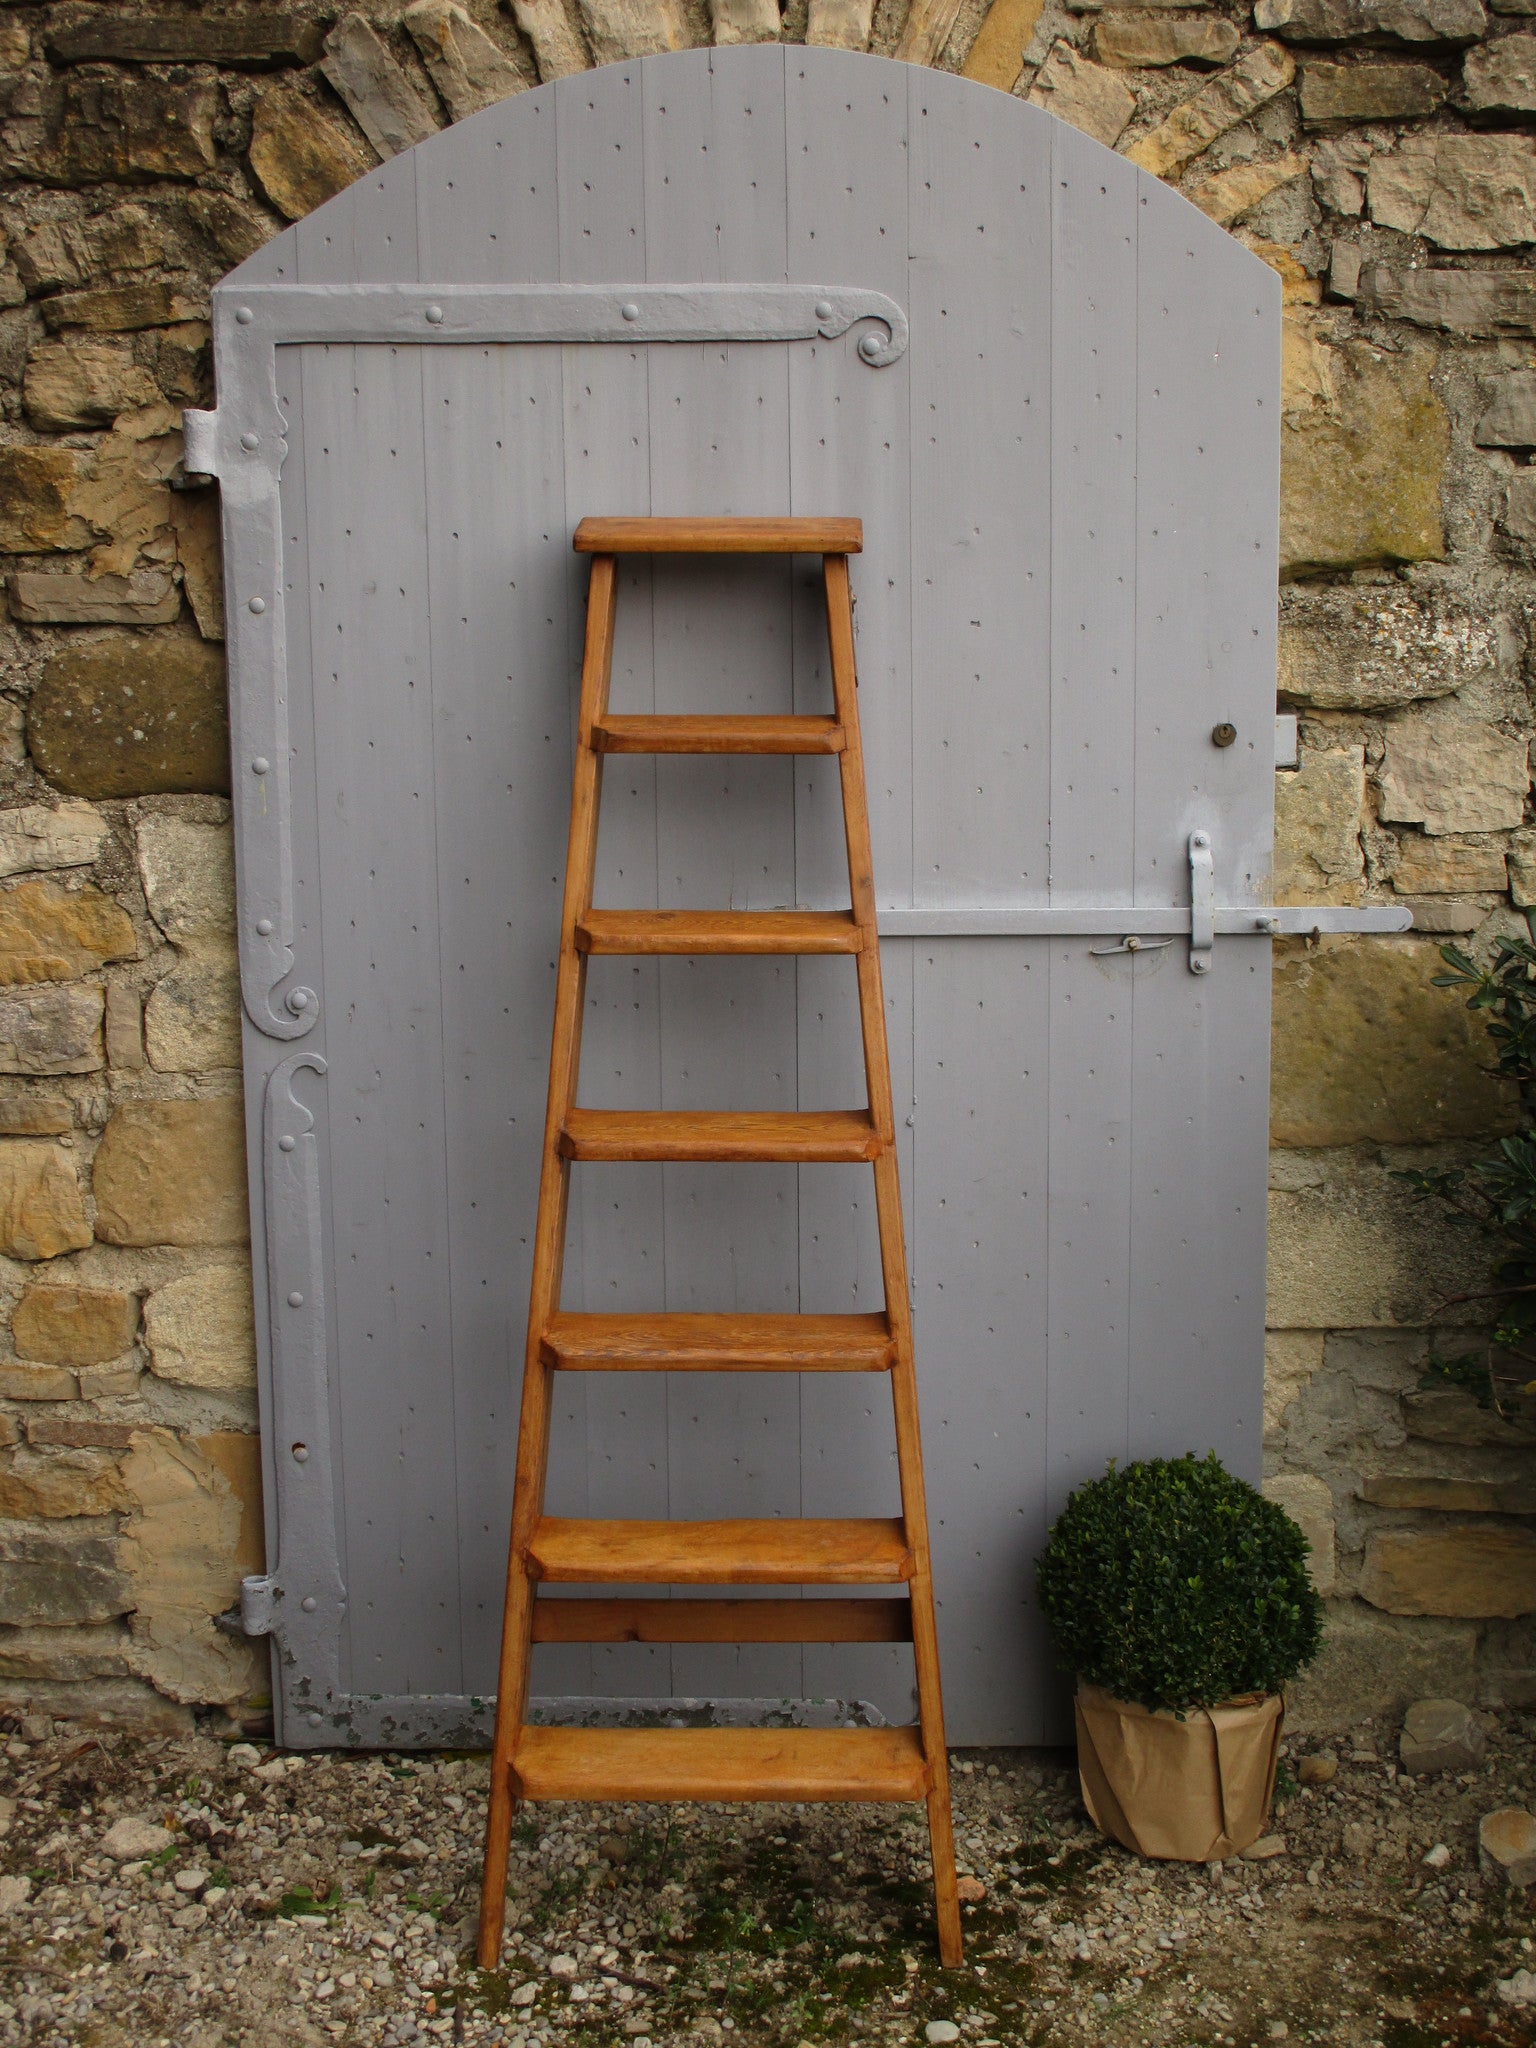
(1196,1790)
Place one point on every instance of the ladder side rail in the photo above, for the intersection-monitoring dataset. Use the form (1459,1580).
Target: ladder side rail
(548,1253)
(893,1257)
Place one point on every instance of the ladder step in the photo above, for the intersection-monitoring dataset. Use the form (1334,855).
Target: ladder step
(804,1137)
(720,1764)
(727,735)
(629,536)
(718,931)
(870,1551)
(718,1343)
(723,1621)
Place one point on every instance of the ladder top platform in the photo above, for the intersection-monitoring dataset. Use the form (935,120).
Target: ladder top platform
(719,537)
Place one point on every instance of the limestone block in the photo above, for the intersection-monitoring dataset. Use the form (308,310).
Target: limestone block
(172,1173)
(558,49)
(1366,1050)
(1308,1502)
(65,835)
(48,933)
(41,1213)
(1372,21)
(1447,867)
(1517,511)
(1368,92)
(1450,772)
(1234,192)
(1356,1251)
(201,1330)
(744,21)
(1374,1665)
(132,715)
(52,1031)
(181,1551)
(1085,95)
(1484,303)
(83,382)
(301,157)
(1338,179)
(60,1577)
(1500,78)
(1450,1415)
(1319,810)
(997,56)
(1474,1570)
(28,1382)
(124,1030)
(926,31)
(54,1484)
(257,37)
(846,25)
(1440,1496)
(1363,448)
(1506,1846)
(1440,1735)
(147,597)
(122,129)
(1508,418)
(74,1325)
(188,872)
(199,551)
(617,29)
(382,100)
(36,489)
(1521,863)
(236,1456)
(1231,97)
(64,1653)
(192,1018)
(468,69)
(1292,1358)
(1135,42)
(235,229)
(1379,647)
(122,309)
(34,1116)
(117,1380)
(1458,191)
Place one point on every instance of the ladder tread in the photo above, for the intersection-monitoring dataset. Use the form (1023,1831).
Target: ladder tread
(718,1343)
(715,1135)
(652,536)
(733,733)
(872,1550)
(720,1764)
(718,931)
(882,1618)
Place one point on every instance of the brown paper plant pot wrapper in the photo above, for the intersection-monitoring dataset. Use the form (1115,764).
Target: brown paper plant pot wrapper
(1194,1791)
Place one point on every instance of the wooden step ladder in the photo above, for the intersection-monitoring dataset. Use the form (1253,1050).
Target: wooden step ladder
(907,1763)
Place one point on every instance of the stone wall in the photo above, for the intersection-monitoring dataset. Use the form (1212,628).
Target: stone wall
(1380,154)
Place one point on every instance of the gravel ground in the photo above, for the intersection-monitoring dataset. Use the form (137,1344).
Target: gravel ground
(329,1899)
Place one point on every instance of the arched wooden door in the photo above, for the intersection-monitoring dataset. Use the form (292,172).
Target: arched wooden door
(758,280)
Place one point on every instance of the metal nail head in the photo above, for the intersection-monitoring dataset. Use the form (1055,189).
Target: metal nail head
(434,316)
(250,443)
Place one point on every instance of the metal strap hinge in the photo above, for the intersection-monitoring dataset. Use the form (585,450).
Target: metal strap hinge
(259,1596)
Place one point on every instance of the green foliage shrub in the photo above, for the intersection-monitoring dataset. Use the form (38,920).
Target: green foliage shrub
(1175,1585)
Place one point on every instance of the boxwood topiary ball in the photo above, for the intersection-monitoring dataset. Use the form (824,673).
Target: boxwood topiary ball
(1174,1585)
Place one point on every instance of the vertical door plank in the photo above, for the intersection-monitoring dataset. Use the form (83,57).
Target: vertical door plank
(1093,418)
(384,1089)
(615,1462)
(845,158)
(1206,549)
(719,424)
(499,574)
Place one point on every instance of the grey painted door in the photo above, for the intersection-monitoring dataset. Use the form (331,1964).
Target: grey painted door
(1067,477)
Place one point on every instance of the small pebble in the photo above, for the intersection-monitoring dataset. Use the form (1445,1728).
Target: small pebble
(938,2031)
(1264,1848)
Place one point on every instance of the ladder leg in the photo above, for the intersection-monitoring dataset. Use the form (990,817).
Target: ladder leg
(548,1263)
(893,1259)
